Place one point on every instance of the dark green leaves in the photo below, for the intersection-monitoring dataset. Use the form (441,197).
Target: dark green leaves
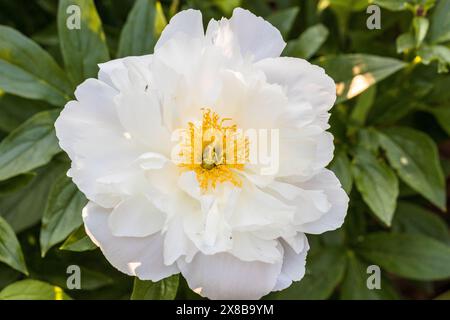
(62,214)
(31,145)
(138,34)
(440,22)
(324,271)
(28,71)
(415,157)
(83,48)
(342,168)
(411,256)
(165,289)
(284,19)
(354,286)
(32,290)
(413,219)
(78,241)
(10,251)
(354,73)
(377,184)
(308,43)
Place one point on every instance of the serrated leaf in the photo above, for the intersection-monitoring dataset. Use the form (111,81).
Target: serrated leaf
(78,241)
(28,71)
(33,290)
(354,73)
(10,250)
(324,271)
(165,289)
(307,44)
(138,34)
(62,214)
(411,256)
(29,146)
(415,157)
(82,49)
(377,184)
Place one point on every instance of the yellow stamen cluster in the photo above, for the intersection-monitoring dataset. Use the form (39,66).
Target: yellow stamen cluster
(214,151)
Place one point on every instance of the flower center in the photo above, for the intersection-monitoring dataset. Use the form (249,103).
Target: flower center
(214,150)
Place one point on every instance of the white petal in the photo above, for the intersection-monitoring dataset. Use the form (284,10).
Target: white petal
(336,196)
(252,35)
(188,22)
(135,217)
(141,257)
(249,247)
(85,125)
(293,268)
(223,276)
(115,72)
(304,83)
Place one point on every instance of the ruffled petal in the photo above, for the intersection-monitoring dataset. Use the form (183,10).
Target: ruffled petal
(141,257)
(223,276)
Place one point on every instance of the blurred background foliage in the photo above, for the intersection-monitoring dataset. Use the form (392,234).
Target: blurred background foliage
(391,125)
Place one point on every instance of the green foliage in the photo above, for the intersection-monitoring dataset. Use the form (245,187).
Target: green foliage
(33,290)
(10,251)
(165,289)
(391,125)
(82,49)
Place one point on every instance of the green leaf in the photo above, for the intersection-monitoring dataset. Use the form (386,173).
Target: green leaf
(411,256)
(354,285)
(442,115)
(420,25)
(342,168)
(82,49)
(78,241)
(393,5)
(413,219)
(354,73)
(25,208)
(28,71)
(438,53)
(443,296)
(31,145)
(377,184)
(362,107)
(308,43)
(165,289)
(405,42)
(15,110)
(62,214)
(33,290)
(415,157)
(16,183)
(284,19)
(138,34)
(10,250)
(440,22)
(324,271)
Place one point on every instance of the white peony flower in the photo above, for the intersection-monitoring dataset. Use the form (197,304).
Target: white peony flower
(233,230)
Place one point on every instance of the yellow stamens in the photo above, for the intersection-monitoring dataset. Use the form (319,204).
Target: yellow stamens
(214,151)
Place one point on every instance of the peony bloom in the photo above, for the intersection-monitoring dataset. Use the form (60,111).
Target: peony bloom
(234,227)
